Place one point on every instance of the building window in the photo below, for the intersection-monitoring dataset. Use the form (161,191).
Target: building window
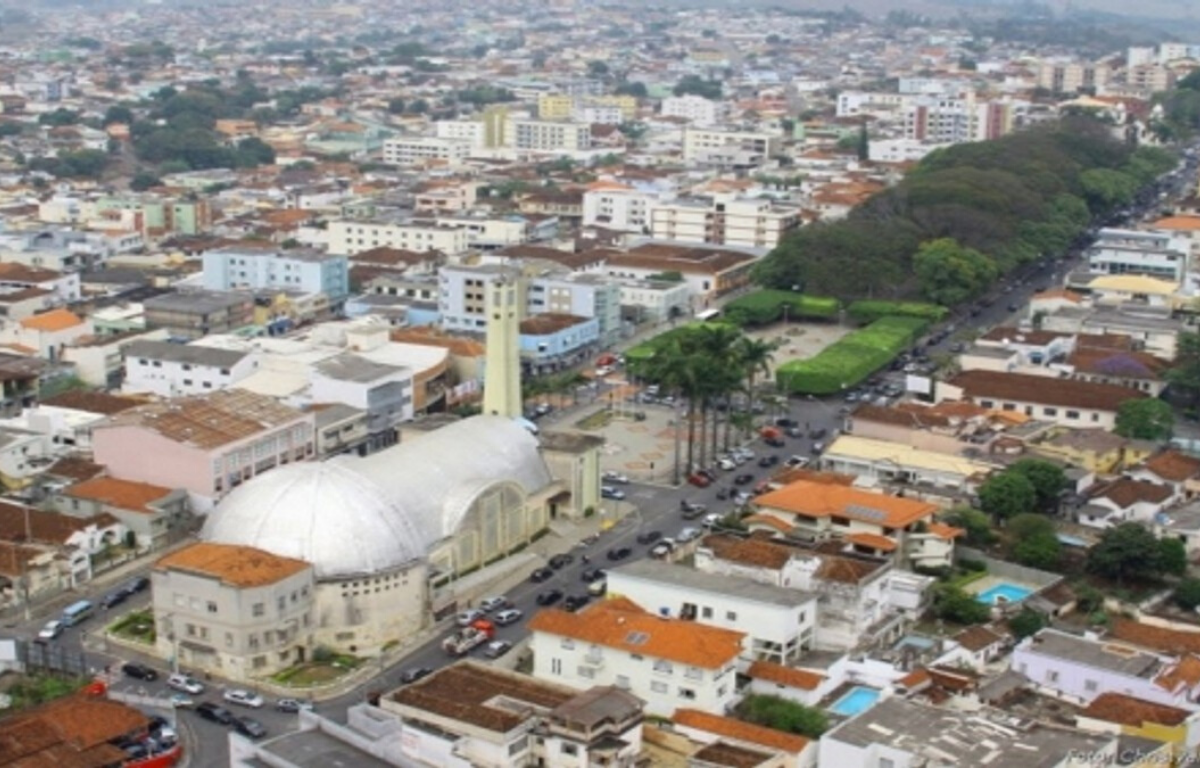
(663,666)
(556,666)
(731,615)
(1072,414)
(569,749)
(658,686)
(1050,411)
(1090,686)
(212,607)
(568,644)
(623,681)
(687,693)
(258,609)
(1051,676)
(228,639)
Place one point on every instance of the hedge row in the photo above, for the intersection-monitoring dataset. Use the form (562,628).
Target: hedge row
(767,306)
(852,359)
(869,311)
(646,349)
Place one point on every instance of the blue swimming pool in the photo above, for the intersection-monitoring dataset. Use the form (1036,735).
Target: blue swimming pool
(1003,593)
(857,699)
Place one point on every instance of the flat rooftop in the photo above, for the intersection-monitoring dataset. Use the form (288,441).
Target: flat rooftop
(731,586)
(317,749)
(1113,657)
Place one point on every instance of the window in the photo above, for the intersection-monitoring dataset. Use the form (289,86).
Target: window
(706,612)
(569,749)
(887,762)
(568,644)
(212,607)
(1072,414)
(623,681)
(518,746)
(731,615)
(1090,686)
(228,639)
(658,686)
(1050,411)
(187,382)
(687,693)
(1051,676)
(663,666)
(556,666)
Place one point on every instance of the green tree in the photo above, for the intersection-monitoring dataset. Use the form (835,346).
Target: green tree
(783,715)
(1187,594)
(951,603)
(1131,551)
(950,274)
(635,89)
(1048,480)
(1184,374)
(143,180)
(597,69)
(395,106)
(1145,419)
(863,147)
(694,84)
(1027,622)
(118,113)
(59,117)
(977,525)
(1041,550)
(1006,495)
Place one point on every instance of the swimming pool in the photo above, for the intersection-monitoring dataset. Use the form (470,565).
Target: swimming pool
(1003,593)
(857,699)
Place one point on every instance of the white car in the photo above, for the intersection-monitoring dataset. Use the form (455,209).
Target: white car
(185,684)
(492,603)
(727,464)
(616,478)
(688,534)
(244,698)
(610,492)
(467,617)
(662,548)
(797,462)
(52,630)
(711,520)
(604,370)
(510,616)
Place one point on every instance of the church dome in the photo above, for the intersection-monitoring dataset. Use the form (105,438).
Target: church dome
(321,512)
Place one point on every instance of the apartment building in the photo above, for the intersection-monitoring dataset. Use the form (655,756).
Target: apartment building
(698,110)
(462,293)
(861,103)
(422,151)
(779,622)
(723,221)
(173,370)
(192,314)
(485,716)
(612,205)
(299,270)
(351,237)
(615,108)
(207,444)
(549,136)
(729,148)
(707,272)
(653,301)
(1071,76)
(471,132)
(582,295)
(667,663)
(1159,254)
(235,611)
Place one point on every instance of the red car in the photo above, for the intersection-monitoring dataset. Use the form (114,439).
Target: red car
(699,480)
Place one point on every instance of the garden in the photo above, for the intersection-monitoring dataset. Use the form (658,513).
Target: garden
(135,625)
(851,359)
(325,667)
(868,311)
(768,306)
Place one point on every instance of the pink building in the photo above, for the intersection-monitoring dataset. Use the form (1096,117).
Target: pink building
(206,445)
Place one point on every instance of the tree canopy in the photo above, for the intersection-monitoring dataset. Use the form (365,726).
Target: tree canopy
(1007,494)
(1131,551)
(951,274)
(1145,419)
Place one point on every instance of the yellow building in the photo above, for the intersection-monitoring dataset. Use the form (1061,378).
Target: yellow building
(627,104)
(1095,450)
(495,126)
(555,106)
(1122,715)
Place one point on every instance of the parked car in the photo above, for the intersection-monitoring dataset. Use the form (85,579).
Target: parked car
(469,616)
(723,494)
(51,630)
(541,574)
(619,553)
(785,422)
(248,726)
(182,701)
(817,433)
(508,616)
(135,585)
(549,597)
(598,587)
(745,479)
(649,537)
(139,671)
(662,548)
(243,698)
(817,448)
(575,602)
(699,480)
(775,441)
(185,684)
(727,464)
(494,603)
(414,674)
(742,497)
(609,492)
(797,462)
(561,561)
(768,461)
(295,705)
(616,478)
(711,520)
(214,713)
(591,574)
(114,598)
(688,534)
(691,506)
(497,648)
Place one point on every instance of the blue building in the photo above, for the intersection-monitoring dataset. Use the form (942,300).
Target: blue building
(551,342)
(267,268)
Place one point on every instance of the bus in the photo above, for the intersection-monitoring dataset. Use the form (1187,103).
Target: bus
(76,612)
(708,314)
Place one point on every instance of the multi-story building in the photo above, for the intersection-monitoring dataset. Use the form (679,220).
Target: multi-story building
(172,370)
(653,301)
(582,295)
(1070,76)
(300,270)
(1161,254)
(550,342)
(780,623)
(491,718)
(235,611)
(611,205)
(942,120)
(667,663)
(696,109)
(747,223)
(355,236)
(461,299)
(472,132)
(707,272)
(162,215)
(192,314)
(729,148)
(421,151)
(57,287)
(1067,402)
(489,232)
(207,445)
(548,136)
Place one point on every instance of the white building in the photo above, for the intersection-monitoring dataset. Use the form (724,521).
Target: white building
(1163,255)
(422,150)
(697,109)
(548,136)
(170,370)
(299,270)
(473,132)
(654,300)
(597,114)
(355,236)
(751,223)
(616,206)
(780,623)
(582,295)
(668,663)
(729,147)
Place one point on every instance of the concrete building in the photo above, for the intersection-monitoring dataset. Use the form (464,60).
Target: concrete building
(582,295)
(1163,255)
(1070,76)
(698,110)
(723,221)
(548,136)
(1067,402)
(617,206)
(475,715)
(155,515)
(653,301)
(355,236)
(668,663)
(425,150)
(502,392)
(172,370)
(237,612)
(207,444)
(903,465)
(192,314)
(729,148)
(551,342)
(780,623)
(257,269)
(708,272)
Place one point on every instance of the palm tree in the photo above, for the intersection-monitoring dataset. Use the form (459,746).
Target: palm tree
(718,343)
(673,370)
(755,356)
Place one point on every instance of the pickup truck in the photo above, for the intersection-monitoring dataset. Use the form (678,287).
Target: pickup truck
(469,638)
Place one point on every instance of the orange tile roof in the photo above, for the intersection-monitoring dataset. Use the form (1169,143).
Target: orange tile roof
(72,732)
(915,678)
(235,565)
(789,676)
(1059,293)
(941,530)
(622,624)
(1173,465)
(1128,710)
(1178,223)
(818,500)
(1156,638)
(740,731)
(768,520)
(54,320)
(122,494)
(873,541)
(1185,672)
